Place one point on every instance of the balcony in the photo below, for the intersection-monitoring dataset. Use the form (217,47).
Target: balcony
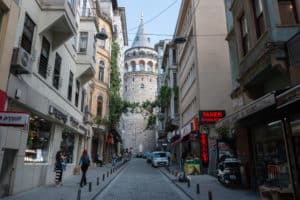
(58,19)
(85,68)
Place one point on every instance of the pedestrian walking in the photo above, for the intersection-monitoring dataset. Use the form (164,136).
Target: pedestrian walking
(59,164)
(114,159)
(84,164)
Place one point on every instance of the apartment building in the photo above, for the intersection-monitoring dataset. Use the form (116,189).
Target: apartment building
(264,48)
(203,78)
(47,102)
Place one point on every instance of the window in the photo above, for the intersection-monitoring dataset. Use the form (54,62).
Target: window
(83,12)
(38,140)
(83,93)
(142,66)
(77,93)
(56,73)
(44,58)
(67,145)
(27,36)
(142,86)
(99,106)
(174,57)
(259,17)
(70,88)
(74,42)
(288,11)
(71,3)
(101,71)
(133,65)
(1,16)
(102,42)
(83,42)
(244,34)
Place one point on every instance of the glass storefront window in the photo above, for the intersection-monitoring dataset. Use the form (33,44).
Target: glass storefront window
(37,141)
(67,145)
(271,160)
(295,125)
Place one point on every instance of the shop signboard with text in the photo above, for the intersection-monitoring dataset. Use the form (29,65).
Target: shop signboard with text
(210,116)
(14,119)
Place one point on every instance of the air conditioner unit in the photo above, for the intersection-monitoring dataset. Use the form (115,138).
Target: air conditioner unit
(21,61)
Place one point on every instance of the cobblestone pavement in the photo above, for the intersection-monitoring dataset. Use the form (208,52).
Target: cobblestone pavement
(140,181)
(70,187)
(210,183)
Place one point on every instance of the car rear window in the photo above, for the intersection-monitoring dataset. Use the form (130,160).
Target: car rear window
(160,155)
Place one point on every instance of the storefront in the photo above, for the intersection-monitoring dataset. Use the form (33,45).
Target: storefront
(267,141)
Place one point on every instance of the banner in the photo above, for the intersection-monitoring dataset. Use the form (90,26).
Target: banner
(14,119)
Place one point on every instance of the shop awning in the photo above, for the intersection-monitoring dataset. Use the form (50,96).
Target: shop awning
(247,110)
(288,97)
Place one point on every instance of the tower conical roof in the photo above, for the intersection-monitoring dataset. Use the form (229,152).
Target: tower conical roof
(141,39)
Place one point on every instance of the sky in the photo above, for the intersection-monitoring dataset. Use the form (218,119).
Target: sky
(163,24)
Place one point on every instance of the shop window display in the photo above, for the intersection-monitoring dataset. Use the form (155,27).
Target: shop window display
(271,160)
(295,125)
(38,141)
(67,145)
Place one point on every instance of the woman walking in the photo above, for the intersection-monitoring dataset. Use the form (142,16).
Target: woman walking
(58,167)
(84,163)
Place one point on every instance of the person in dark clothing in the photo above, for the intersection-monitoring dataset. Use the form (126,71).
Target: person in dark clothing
(58,167)
(84,163)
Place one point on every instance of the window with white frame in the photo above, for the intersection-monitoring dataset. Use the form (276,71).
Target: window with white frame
(83,42)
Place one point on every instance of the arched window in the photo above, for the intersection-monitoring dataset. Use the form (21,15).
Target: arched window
(99,106)
(101,70)
(134,53)
(150,66)
(102,42)
(142,65)
(133,66)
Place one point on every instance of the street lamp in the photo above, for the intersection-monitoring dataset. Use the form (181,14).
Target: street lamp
(101,35)
(179,40)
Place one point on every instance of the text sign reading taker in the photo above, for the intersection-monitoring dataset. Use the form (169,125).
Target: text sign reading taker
(209,117)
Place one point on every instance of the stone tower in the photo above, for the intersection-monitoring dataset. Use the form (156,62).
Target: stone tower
(140,84)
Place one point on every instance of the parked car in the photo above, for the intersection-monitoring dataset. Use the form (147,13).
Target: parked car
(149,157)
(229,172)
(139,155)
(159,158)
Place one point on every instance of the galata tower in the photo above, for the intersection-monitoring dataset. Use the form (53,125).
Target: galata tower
(140,85)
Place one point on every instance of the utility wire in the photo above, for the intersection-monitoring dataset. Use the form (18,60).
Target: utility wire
(156,16)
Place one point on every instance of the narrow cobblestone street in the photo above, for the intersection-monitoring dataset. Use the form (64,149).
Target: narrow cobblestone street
(141,181)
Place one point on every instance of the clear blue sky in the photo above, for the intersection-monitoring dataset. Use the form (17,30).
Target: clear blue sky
(163,24)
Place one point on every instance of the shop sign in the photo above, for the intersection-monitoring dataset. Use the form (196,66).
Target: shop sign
(74,122)
(57,114)
(13,119)
(204,148)
(2,100)
(210,116)
(186,130)
(195,125)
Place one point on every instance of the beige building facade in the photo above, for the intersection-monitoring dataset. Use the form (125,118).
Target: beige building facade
(9,15)
(203,70)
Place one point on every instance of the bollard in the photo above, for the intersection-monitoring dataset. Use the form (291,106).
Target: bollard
(90,186)
(188,183)
(103,177)
(79,194)
(107,173)
(198,189)
(209,195)
(110,171)
(97,180)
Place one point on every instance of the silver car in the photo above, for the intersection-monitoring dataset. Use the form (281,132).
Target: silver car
(159,158)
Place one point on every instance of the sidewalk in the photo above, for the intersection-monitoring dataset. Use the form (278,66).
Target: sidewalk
(209,183)
(70,187)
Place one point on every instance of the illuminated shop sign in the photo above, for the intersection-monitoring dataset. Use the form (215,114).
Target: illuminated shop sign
(204,148)
(210,117)
(14,119)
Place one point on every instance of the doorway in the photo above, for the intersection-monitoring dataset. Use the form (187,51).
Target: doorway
(7,171)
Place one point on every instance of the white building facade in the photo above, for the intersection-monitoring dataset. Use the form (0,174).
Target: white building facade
(54,58)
